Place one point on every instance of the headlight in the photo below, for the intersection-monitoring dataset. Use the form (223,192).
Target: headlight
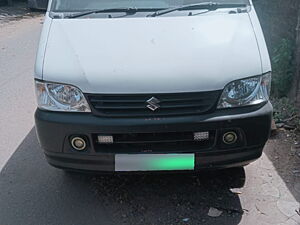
(250,91)
(60,97)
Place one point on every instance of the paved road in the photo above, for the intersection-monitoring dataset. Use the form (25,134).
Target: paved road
(32,192)
(18,43)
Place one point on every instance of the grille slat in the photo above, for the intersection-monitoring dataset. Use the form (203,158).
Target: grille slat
(115,101)
(142,107)
(135,105)
(151,142)
(94,100)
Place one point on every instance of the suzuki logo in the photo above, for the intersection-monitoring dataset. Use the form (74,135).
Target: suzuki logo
(153,104)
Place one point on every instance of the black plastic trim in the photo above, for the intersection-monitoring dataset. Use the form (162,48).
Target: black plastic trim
(55,128)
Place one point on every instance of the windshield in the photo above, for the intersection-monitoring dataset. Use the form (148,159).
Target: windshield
(86,5)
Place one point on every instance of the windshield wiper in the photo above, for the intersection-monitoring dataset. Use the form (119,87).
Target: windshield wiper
(128,11)
(203,5)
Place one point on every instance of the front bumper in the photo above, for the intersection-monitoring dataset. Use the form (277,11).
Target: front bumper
(54,130)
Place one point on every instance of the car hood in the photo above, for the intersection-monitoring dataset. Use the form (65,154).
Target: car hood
(152,55)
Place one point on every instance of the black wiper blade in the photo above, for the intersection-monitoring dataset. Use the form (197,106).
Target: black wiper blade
(203,5)
(126,10)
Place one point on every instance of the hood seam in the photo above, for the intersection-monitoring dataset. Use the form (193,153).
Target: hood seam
(258,48)
(46,47)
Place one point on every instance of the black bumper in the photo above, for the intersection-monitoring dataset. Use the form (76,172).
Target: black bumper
(252,124)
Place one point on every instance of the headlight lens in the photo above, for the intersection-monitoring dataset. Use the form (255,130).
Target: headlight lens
(60,97)
(250,91)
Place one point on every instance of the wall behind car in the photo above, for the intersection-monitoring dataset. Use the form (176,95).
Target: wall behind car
(279,19)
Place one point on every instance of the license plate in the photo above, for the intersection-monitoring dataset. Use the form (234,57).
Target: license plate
(154,162)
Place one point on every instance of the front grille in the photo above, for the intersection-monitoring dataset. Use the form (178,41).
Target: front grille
(171,142)
(135,105)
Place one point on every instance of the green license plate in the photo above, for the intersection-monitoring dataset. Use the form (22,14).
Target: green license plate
(154,162)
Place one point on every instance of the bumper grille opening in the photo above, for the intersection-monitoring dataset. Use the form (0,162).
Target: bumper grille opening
(171,142)
(135,105)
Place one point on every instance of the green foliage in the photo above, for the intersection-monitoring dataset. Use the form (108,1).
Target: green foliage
(283,68)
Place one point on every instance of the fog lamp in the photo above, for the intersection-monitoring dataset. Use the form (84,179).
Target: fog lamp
(230,138)
(78,143)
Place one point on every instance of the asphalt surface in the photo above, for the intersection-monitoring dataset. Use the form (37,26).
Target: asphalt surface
(18,43)
(32,192)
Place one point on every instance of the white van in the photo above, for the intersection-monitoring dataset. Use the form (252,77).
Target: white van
(152,85)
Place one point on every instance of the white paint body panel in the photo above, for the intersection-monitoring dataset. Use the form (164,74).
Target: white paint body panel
(153,55)
(265,58)
(39,62)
